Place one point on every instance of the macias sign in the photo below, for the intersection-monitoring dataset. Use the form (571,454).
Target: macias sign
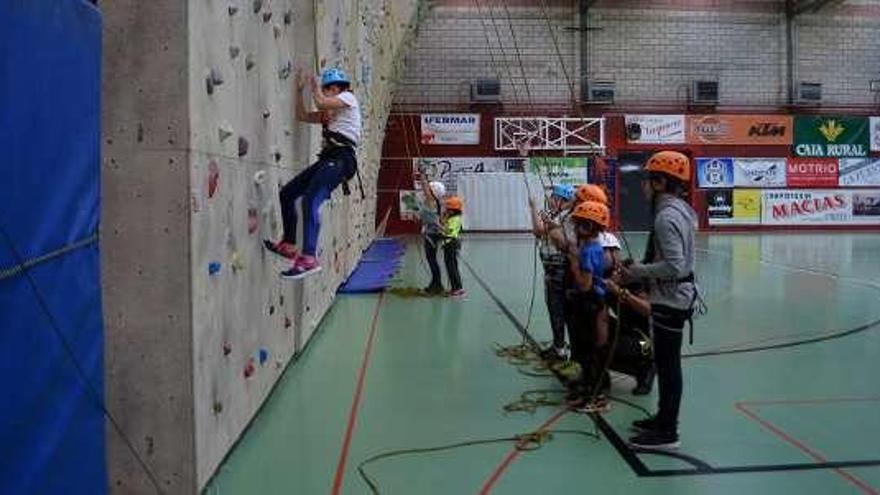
(832,137)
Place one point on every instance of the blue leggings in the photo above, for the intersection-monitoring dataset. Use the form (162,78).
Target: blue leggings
(314,185)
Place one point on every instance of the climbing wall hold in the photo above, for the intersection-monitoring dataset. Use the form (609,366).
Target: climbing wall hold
(276,30)
(288,17)
(260,177)
(276,155)
(227,348)
(266,114)
(213,80)
(249,62)
(213,178)
(237,262)
(213,268)
(267,16)
(243,146)
(249,368)
(281,300)
(223,133)
(253,220)
(278,364)
(271,310)
(232,10)
(284,72)
(258,4)
(218,407)
(234,51)
(264,356)
(287,322)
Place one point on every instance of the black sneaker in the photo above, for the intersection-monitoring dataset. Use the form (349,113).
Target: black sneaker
(647,424)
(433,290)
(656,440)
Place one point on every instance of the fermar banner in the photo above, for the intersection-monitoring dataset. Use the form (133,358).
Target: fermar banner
(859,172)
(875,133)
(451,128)
(740,129)
(833,137)
(655,129)
(811,172)
(759,172)
(560,170)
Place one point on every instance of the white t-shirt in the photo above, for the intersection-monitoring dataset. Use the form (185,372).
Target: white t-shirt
(608,240)
(347,121)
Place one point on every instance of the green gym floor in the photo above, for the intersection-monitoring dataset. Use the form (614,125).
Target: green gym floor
(781,385)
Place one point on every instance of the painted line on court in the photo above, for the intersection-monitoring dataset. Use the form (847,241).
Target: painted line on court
(852,479)
(356,399)
(515,452)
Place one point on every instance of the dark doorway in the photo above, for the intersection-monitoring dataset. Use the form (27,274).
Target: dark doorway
(633,208)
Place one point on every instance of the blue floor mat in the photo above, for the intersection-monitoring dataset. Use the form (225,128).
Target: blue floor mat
(377,267)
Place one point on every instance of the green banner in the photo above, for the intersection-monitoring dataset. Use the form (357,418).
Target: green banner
(560,170)
(831,136)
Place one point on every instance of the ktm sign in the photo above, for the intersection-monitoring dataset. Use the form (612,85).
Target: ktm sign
(739,129)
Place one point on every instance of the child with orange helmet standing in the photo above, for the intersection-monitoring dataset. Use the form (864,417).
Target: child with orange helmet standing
(587,262)
(453,209)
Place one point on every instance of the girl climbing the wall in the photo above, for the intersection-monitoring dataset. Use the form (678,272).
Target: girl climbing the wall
(339,114)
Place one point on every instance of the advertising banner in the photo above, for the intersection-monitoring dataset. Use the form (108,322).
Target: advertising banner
(560,170)
(805,207)
(740,129)
(655,129)
(451,128)
(832,137)
(714,172)
(409,202)
(745,207)
(811,172)
(875,133)
(859,172)
(719,203)
(759,172)
(447,170)
(866,206)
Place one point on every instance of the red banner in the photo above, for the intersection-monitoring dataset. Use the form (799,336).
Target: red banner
(812,172)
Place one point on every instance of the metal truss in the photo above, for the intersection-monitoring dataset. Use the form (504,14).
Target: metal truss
(570,135)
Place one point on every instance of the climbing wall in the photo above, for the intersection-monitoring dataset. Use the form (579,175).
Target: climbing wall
(223,76)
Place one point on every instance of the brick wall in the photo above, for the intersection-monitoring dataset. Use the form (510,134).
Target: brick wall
(652,53)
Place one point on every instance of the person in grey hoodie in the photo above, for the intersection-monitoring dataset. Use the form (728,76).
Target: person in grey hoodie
(668,269)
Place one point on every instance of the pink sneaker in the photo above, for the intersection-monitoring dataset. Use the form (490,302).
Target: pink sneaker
(284,249)
(303,267)
(458,293)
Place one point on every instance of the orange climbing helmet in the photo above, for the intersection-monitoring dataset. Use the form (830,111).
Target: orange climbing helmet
(454,203)
(591,192)
(593,211)
(671,163)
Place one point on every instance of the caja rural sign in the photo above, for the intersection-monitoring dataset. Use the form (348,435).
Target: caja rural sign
(832,137)
(740,129)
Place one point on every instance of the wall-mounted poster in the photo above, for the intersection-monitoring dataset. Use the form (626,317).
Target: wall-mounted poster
(655,129)
(759,172)
(451,128)
(811,172)
(740,129)
(859,172)
(714,172)
(832,137)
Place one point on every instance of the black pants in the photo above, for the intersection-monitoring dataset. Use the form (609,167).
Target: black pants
(668,326)
(554,296)
(431,244)
(450,258)
(582,336)
(314,185)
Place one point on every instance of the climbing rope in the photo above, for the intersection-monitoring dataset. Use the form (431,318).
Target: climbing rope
(526,442)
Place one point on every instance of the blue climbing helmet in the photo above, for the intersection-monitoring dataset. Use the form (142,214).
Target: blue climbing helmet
(564,191)
(333,76)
